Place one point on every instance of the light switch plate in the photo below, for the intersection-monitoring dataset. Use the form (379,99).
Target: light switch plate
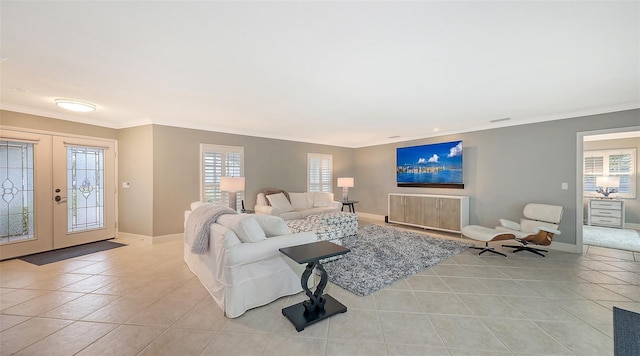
(565,186)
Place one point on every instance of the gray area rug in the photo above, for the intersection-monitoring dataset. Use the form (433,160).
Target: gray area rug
(383,255)
(612,238)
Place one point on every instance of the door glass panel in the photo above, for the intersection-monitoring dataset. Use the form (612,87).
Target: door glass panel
(16,191)
(85,182)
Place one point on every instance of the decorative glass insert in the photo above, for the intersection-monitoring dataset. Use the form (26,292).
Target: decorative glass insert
(16,191)
(85,192)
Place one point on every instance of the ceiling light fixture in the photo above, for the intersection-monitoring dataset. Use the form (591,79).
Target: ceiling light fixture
(75,105)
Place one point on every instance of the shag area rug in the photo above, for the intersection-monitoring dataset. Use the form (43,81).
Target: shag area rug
(621,239)
(383,255)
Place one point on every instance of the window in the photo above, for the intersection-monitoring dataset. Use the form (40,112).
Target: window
(618,162)
(319,172)
(219,161)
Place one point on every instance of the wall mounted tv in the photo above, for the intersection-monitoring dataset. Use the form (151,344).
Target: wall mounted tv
(437,165)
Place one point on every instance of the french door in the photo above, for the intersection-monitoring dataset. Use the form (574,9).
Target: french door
(55,191)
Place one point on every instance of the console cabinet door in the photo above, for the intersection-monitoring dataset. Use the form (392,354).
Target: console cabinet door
(449,210)
(430,212)
(396,208)
(413,210)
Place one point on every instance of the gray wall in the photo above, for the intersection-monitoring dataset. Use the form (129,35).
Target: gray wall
(135,165)
(14,119)
(504,169)
(268,163)
(632,206)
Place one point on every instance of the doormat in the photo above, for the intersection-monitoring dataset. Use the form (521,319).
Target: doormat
(626,332)
(382,255)
(66,253)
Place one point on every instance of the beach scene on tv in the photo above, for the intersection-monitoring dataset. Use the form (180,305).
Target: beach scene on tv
(439,163)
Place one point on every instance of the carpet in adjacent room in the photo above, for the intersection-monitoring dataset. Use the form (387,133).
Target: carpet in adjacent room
(620,239)
(44,258)
(383,255)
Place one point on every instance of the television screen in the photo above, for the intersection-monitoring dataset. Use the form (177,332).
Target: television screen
(434,165)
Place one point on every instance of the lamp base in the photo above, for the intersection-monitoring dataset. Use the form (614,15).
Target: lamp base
(345,194)
(233,201)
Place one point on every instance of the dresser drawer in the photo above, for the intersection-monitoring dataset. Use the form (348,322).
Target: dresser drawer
(607,213)
(604,204)
(601,220)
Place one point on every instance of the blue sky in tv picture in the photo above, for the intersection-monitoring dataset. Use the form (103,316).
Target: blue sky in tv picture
(439,163)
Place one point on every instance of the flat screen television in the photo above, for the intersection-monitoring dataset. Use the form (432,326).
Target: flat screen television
(437,165)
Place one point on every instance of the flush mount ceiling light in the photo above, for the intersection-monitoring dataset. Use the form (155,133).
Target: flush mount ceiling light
(75,105)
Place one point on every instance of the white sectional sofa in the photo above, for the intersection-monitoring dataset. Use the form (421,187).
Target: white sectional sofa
(291,206)
(242,267)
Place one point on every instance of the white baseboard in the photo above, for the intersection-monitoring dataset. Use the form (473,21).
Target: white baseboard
(371,216)
(632,226)
(562,246)
(150,239)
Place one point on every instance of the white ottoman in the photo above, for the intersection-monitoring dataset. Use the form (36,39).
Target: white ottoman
(485,234)
(346,222)
(324,232)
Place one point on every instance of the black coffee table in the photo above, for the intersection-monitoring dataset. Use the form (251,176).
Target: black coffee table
(319,306)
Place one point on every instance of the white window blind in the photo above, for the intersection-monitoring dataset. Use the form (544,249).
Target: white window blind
(319,172)
(217,162)
(617,162)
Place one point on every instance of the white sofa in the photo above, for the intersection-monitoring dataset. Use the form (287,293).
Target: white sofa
(243,267)
(295,205)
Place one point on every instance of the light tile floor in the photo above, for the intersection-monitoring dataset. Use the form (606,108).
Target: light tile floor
(142,300)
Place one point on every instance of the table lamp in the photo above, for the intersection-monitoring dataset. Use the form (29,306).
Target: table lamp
(607,185)
(233,185)
(345,183)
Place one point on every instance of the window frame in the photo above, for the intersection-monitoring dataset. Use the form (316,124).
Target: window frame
(325,183)
(606,155)
(223,150)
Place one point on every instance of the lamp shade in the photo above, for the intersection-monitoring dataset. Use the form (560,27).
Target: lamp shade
(608,182)
(345,182)
(232,184)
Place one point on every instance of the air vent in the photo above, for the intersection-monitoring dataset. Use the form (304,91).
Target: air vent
(498,120)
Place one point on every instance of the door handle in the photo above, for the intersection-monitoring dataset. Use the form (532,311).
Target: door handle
(60,199)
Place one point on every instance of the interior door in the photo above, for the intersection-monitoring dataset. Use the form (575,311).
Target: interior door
(25,217)
(83,191)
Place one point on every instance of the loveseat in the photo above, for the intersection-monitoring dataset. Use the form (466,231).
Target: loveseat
(242,268)
(295,205)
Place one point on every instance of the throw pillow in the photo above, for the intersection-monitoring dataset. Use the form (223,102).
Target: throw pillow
(301,201)
(321,199)
(280,202)
(245,226)
(272,225)
(274,191)
(262,200)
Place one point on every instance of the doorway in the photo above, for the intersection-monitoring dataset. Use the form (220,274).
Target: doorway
(607,156)
(55,191)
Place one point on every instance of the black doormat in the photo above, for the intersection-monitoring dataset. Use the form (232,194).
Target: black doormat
(44,258)
(626,332)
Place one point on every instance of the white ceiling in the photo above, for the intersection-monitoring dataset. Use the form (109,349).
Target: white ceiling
(349,74)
